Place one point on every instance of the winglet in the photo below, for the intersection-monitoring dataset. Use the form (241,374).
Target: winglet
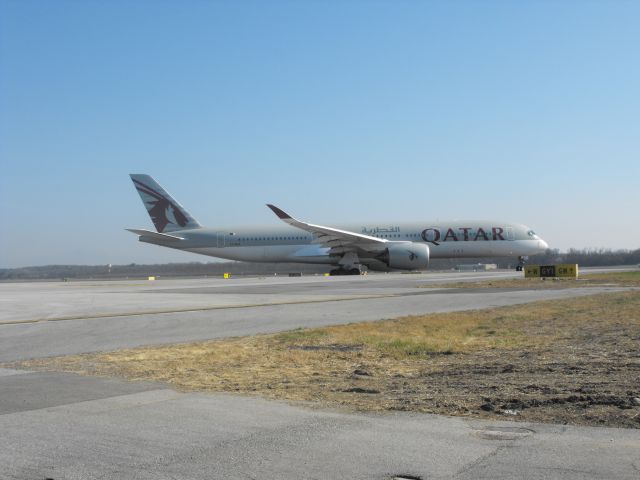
(282,215)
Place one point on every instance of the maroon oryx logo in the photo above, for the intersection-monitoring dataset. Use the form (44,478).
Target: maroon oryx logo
(160,208)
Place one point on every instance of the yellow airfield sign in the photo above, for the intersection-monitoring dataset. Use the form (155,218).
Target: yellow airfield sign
(560,270)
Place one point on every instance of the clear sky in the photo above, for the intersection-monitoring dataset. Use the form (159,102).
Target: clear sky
(342,111)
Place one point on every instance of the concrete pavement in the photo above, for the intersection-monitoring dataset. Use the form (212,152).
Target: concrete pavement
(121,430)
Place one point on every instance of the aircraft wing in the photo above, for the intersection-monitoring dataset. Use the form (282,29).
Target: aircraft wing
(339,241)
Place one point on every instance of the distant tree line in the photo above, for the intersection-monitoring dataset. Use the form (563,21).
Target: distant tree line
(585,258)
(589,257)
(133,270)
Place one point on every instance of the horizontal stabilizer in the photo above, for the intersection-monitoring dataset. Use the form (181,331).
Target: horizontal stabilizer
(155,235)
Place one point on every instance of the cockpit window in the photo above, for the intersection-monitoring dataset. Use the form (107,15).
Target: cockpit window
(531,233)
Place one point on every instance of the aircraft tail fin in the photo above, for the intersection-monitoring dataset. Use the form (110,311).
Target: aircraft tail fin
(165,212)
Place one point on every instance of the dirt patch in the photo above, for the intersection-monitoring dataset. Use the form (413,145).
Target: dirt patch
(571,361)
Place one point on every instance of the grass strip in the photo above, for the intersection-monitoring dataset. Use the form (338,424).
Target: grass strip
(619,279)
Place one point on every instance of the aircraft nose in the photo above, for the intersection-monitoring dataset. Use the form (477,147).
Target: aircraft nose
(542,244)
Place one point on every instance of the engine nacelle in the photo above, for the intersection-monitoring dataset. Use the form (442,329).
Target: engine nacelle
(406,256)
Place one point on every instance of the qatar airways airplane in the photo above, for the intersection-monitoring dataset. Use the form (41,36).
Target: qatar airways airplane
(383,246)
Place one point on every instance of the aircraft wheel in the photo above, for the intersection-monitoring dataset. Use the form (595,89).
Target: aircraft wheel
(354,271)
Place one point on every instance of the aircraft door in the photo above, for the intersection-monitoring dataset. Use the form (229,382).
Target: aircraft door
(510,233)
(220,239)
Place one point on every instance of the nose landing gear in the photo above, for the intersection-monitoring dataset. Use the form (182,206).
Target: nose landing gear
(521,261)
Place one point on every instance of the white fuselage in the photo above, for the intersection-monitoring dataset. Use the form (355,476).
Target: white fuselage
(287,244)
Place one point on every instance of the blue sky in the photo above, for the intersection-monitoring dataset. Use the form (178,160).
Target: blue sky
(336,111)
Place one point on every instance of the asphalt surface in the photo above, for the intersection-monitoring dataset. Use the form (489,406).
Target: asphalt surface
(63,426)
(120,430)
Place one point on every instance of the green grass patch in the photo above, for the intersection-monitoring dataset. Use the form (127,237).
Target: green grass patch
(300,335)
(400,348)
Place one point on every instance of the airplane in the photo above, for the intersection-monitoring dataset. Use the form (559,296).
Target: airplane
(382,246)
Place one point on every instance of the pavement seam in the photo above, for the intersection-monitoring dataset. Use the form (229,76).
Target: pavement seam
(195,309)
(111,397)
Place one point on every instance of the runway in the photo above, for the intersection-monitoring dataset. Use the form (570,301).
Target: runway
(63,426)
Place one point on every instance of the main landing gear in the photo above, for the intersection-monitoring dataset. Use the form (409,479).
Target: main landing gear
(349,265)
(521,262)
(345,271)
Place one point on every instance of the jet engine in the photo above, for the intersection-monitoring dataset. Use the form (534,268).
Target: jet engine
(406,256)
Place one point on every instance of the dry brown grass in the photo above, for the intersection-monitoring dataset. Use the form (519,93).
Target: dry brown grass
(572,360)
